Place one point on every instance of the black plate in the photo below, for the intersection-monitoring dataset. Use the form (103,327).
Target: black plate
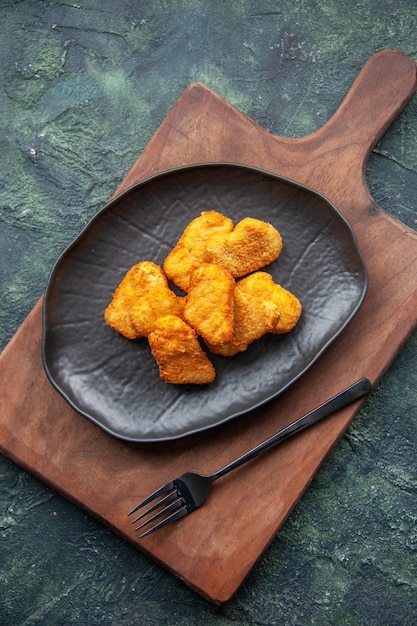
(114,381)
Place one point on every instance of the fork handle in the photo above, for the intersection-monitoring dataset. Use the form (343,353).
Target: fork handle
(339,401)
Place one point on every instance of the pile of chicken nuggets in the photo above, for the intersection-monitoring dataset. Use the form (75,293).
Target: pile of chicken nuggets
(228,303)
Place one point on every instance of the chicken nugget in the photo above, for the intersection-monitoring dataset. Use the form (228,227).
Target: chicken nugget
(190,250)
(209,303)
(254,316)
(261,285)
(160,301)
(250,246)
(177,350)
(138,282)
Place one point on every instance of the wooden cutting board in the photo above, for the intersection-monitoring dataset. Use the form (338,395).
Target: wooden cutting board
(214,549)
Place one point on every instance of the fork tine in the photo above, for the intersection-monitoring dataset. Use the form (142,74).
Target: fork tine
(168,498)
(172,518)
(155,494)
(168,509)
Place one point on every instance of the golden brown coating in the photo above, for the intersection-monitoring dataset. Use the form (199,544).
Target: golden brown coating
(229,316)
(254,316)
(190,251)
(261,284)
(177,350)
(138,282)
(160,301)
(209,303)
(142,296)
(249,247)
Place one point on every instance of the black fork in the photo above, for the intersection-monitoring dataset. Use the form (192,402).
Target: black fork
(189,491)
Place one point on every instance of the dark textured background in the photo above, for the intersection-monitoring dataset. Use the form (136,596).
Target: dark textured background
(84,85)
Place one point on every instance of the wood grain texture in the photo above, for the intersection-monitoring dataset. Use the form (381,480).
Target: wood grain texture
(214,549)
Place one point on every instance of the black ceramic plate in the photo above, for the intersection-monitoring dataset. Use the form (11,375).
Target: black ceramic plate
(115,382)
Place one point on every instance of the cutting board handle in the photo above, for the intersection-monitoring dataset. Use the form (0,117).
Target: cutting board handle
(333,159)
(381,90)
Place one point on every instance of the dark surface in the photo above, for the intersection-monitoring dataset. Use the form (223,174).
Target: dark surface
(84,87)
(110,379)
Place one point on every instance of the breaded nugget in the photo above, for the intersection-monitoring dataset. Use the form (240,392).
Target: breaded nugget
(181,360)
(209,303)
(138,282)
(190,250)
(249,247)
(261,285)
(160,301)
(254,316)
